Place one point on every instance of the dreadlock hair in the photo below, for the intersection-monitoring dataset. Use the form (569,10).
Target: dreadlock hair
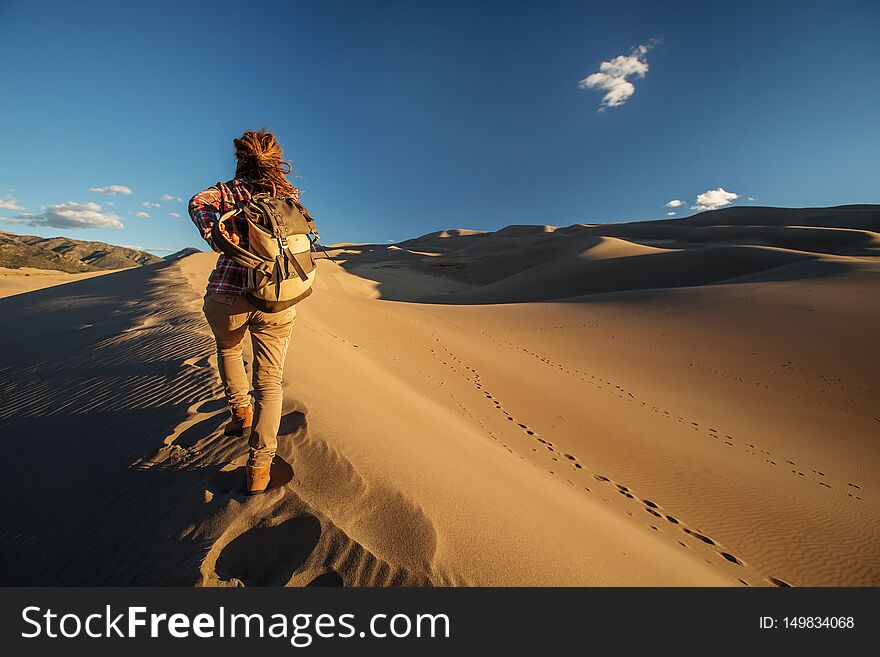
(259,161)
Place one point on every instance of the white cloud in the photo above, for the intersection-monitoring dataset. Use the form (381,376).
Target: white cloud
(110,203)
(751,198)
(671,214)
(140,215)
(176,215)
(112,190)
(614,76)
(8,202)
(714,199)
(69,215)
(168,198)
(147,204)
(674,203)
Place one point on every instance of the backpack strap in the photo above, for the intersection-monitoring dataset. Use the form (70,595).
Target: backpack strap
(291,258)
(238,254)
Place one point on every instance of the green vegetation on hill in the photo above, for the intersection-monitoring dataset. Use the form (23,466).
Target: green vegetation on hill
(68,255)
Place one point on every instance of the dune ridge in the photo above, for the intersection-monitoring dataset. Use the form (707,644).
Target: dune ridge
(534,263)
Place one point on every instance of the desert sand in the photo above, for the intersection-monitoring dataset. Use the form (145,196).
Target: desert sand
(27,279)
(687,403)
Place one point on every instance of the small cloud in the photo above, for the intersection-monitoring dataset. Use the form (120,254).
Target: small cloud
(714,199)
(674,203)
(69,215)
(110,203)
(613,76)
(112,190)
(671,214)
(750,198)
(176,215)
(140,215)
(136,247)
(8,202)
(167,198)
(147,204)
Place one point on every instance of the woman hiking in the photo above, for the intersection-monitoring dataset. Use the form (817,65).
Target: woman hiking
(260,168)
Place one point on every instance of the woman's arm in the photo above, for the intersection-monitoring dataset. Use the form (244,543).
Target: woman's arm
(203,210)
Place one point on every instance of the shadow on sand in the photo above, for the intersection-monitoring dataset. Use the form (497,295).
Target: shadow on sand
(94,377)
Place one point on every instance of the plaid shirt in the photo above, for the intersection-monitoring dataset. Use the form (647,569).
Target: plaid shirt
(228,276)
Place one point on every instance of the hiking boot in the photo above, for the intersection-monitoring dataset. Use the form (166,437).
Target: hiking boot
(242,417)
(257,479)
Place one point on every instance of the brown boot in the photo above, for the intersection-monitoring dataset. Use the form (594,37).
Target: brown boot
(257,479)
(242,417)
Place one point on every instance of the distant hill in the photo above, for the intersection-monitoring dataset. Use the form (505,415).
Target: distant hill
(68,255)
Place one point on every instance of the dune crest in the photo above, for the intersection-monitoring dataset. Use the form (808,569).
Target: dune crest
(539,263)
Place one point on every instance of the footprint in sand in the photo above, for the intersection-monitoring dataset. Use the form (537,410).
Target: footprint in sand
(699,536)
(211,406)
(291,423)
(200,430)
(268,555)
(225,482)
(330,578)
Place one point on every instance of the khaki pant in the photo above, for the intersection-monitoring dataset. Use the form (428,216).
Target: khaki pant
(230,316)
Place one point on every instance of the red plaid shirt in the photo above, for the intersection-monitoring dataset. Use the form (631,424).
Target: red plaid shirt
(228,276)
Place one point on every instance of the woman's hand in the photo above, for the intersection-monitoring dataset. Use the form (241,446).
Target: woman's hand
(232,237)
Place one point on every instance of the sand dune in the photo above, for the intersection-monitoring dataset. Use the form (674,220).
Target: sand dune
(585,406)
(27,279)
(533,263)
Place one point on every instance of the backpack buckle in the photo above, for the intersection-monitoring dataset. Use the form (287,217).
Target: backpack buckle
(280,228)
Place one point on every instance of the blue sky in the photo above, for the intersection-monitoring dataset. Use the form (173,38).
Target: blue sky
(407,117)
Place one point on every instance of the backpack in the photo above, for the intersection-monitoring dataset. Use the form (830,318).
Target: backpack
(279,263)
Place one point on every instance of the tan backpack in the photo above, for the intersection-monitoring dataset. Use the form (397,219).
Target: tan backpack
(281,235)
